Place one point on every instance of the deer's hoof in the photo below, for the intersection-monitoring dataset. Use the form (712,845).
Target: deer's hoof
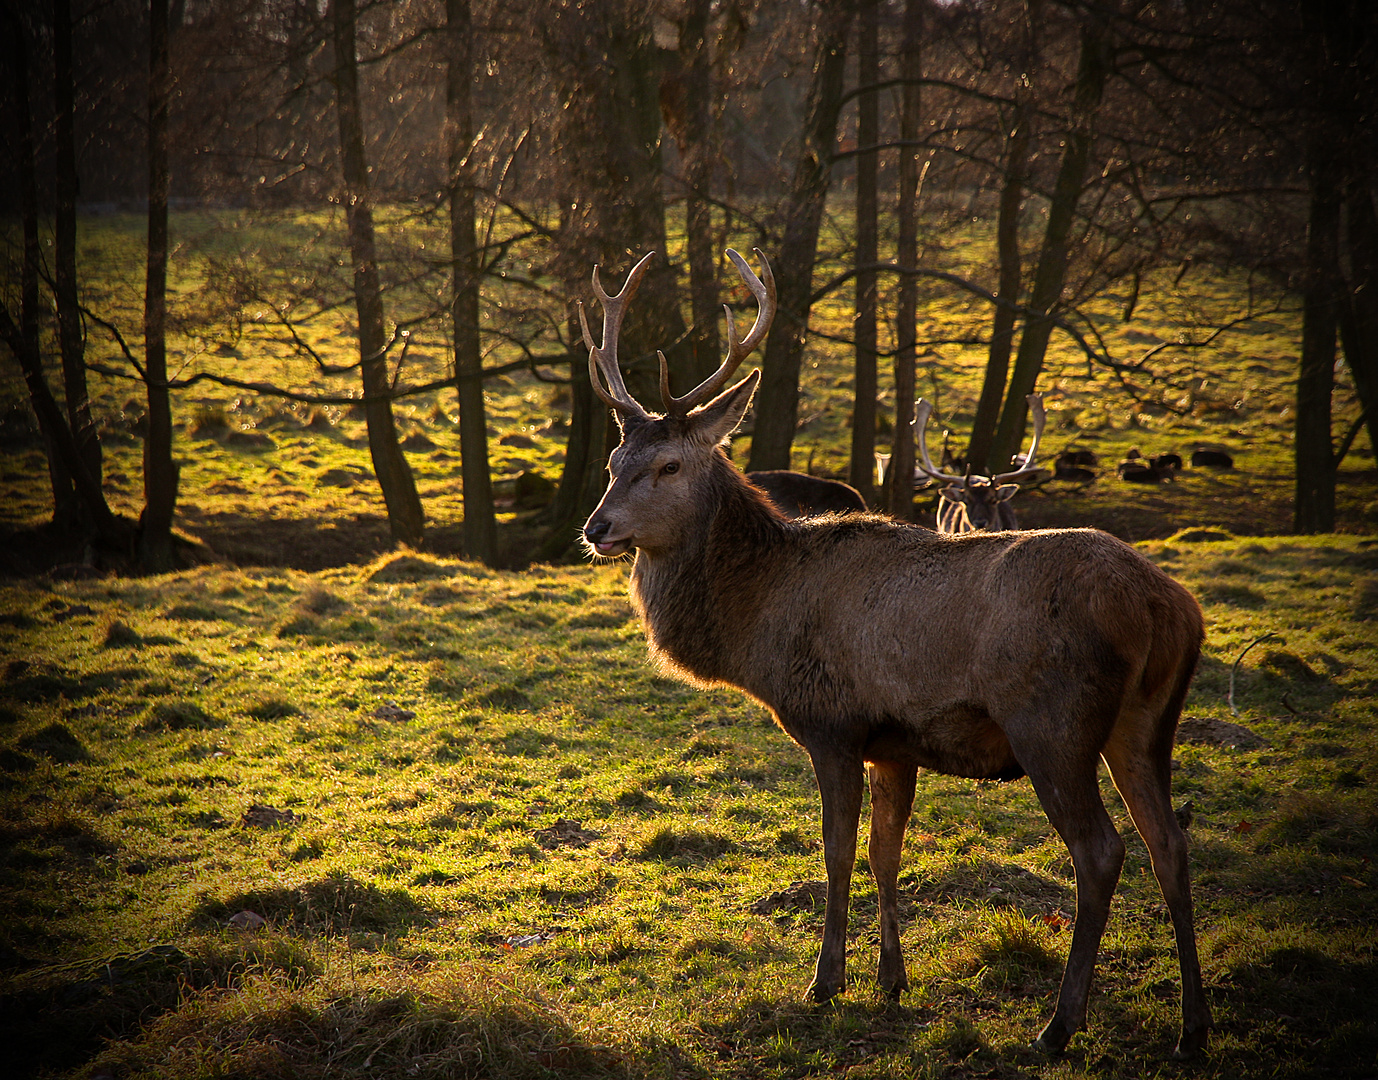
(822,993)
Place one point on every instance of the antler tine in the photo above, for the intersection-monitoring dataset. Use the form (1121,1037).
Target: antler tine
(605,358)
(1027,468)
(921,422)
(737,351)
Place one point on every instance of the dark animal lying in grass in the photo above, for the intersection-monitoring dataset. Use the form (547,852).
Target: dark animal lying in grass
(1137,469)
(800,495)
(1075,465)
(882,647)
(1211,459)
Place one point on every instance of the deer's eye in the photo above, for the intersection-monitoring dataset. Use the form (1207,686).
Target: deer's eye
(669,468)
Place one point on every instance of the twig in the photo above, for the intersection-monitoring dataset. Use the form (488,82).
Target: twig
(1265,637)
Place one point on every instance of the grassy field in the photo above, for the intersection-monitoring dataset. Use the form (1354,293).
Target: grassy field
(319,809)
(486,838)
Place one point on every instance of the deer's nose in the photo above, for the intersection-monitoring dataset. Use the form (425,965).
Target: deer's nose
(596,531)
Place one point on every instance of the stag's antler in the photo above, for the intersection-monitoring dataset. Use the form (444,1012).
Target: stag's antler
(921,423)
(1026,468)
(605,358)
(737,351)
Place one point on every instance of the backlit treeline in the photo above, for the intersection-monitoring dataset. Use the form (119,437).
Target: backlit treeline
(1094,143)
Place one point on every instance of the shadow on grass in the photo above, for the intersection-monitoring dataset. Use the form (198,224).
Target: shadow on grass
(270,1009)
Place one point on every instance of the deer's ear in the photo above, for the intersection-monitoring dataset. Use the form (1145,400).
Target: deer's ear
(1005,492)
(719,418)
(627,422)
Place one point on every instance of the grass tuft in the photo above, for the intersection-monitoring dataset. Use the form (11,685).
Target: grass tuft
(57,743)
(178,716)
(272,708)
(120,635)
(685,845)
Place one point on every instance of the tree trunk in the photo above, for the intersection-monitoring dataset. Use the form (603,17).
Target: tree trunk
(862,469)
(70,335)
(480,524)
(1003,318)
(614,212)
(1092,69)
(405,516)
(160,472)
(777,402)
(105,526)
(1359,317)
(65,509)
(1314,510)
(899,480)
(698,152)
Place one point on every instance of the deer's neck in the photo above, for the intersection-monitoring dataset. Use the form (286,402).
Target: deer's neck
(701,601)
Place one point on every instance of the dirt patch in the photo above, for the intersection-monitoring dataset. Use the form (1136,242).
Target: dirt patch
(1206,732)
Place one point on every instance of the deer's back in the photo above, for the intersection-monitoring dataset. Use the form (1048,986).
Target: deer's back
(870,619)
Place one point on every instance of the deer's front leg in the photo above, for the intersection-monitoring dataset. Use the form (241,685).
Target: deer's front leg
(839,784)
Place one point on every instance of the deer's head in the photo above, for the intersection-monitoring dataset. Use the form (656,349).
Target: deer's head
(980,497)
(663,461)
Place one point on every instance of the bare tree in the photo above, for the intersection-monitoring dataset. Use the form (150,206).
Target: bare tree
(1017,141)
(405,516)
(71,334)
(899,487)
(155,548)
(480,525)
(777,406)
(862,466)
(1050,275)
(687,103)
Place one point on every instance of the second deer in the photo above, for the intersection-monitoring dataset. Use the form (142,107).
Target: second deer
(973,502)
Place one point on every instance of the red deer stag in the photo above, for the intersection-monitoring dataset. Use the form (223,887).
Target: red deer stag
(970,503)
(881,647)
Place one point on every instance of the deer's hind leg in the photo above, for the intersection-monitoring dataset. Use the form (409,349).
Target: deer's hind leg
(1063,772)
(892,798)
(1140,760)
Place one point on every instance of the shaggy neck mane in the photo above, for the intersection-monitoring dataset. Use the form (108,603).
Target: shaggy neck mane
(697,600)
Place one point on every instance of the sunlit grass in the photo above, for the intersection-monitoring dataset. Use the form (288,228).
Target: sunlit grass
(506,846)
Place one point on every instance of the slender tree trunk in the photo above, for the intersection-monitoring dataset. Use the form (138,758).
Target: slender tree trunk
(1314,510)
(1051,274)
(862,470)
(1359,317)
(480,524)
(777,402)
(66,512)
(698,152)
(405,516)
(70,335)
(614,212)
(160,472)
(899,481)
(1011,262)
